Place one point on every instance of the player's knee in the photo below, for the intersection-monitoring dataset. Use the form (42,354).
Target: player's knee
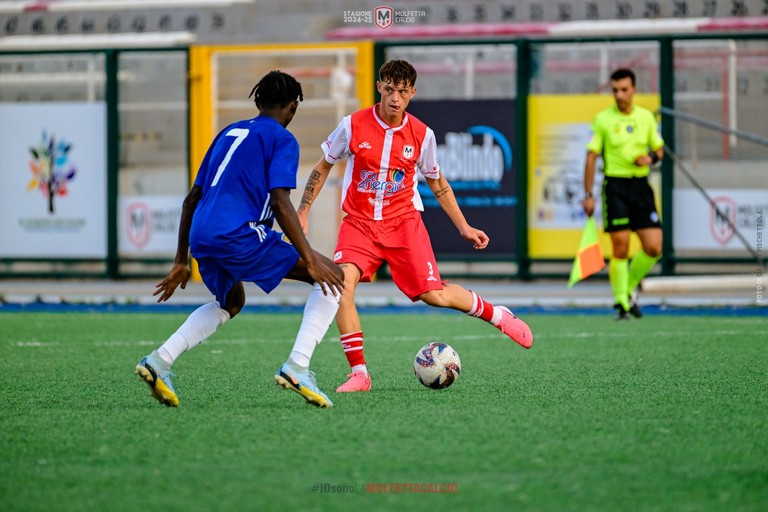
(653,251)
(620,252)
(351,273)
(233,310)
(434,298)
(235,300)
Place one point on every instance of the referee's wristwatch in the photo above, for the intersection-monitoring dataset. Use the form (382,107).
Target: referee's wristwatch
(588,195)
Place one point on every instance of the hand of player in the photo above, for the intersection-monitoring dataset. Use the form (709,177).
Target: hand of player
(478,237)
(589,205)
(179,275)
(327,275)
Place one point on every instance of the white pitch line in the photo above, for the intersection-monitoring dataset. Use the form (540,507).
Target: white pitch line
(468,337)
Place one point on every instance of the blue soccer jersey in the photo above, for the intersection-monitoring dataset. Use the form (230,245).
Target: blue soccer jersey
(245,161)
(231,234)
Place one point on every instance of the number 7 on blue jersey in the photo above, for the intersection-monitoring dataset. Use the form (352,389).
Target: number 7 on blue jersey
(240,134)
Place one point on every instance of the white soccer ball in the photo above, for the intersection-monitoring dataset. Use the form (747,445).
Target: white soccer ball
(437,365)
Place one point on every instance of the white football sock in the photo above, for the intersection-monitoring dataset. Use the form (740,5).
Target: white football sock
(197,328)
(497,314)
(360,368)
(319,312)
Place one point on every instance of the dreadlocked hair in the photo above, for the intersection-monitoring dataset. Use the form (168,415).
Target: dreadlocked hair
(398,72)
(276,89)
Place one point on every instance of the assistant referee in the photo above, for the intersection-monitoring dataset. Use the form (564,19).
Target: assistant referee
(627,138)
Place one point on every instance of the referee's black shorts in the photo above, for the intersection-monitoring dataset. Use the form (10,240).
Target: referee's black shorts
(628,203)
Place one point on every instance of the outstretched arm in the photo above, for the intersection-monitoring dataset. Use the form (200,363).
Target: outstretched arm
(325,273)
(444,194)
(314,184)
(179,273)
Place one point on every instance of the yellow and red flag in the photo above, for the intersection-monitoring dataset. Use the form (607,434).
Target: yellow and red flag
(589,260)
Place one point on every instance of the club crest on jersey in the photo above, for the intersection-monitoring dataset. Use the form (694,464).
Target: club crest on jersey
(408,151)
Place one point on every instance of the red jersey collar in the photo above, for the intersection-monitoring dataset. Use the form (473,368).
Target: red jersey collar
(383,124)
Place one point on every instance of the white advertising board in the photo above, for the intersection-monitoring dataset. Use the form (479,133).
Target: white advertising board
(698,226)
(149,225)
(53,197)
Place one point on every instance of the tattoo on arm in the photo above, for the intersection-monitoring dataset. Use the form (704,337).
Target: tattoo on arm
(309,189)
(442,192)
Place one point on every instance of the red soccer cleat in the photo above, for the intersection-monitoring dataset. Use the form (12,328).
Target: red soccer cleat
(358,381)
(515,328)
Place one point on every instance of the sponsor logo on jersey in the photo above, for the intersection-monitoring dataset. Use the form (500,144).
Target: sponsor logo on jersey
(370,183)
(373,202)
(396,175)
(364,145)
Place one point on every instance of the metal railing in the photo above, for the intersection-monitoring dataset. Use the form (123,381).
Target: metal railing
(721,215)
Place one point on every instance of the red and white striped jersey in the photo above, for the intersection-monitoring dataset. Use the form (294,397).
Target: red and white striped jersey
(380,177)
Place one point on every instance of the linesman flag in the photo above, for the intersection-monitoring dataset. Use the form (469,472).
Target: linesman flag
(589,260)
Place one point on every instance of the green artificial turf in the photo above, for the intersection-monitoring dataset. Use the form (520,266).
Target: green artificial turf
(669,413)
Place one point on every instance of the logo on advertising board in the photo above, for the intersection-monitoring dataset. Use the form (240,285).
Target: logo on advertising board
(469,165)
(51,168)
(725,210)
(383,17)
(139,225)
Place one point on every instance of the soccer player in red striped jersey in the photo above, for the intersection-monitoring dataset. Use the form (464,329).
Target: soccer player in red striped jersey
(383,147)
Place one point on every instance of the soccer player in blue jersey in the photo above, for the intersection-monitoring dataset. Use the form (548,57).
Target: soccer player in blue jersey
(242,187)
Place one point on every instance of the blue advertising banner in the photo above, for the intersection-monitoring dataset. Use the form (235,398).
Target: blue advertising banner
(474,146)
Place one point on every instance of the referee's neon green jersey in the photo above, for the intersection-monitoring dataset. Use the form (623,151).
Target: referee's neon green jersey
(621,138)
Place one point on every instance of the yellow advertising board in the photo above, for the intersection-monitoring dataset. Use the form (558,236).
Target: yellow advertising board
(558,133)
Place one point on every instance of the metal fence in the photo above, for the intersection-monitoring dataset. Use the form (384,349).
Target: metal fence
(137,122)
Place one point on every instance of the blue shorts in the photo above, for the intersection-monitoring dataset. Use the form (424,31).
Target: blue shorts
(262,262)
